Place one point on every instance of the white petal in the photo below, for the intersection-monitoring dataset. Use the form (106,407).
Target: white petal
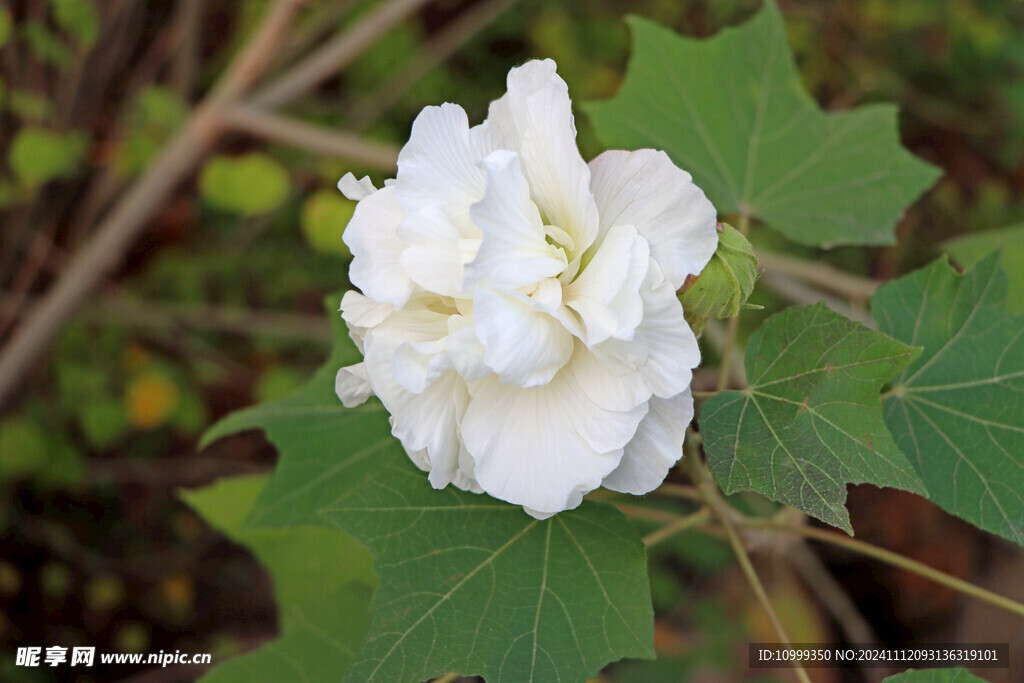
(612,386)
(544,448)
(433,256)
(524,344)
(465,350)
(417,365)
(535,119)
(431,421)
(356,189)
(664,347)
(352,385)
(657,446)
(646,190)
(414,326)
(607,293)
(361,313)
(437,167)
(376,248)
(513,252)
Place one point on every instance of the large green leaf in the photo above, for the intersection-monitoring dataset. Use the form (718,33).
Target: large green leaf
(323,580)
(811,420)
(958,410)
(935,676)
(474,585)
(468,583)
(968,250)
(732,111)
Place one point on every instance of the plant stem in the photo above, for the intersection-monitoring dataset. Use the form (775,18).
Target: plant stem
(447,678)
(819,274)
(678,526)
(648,514)
(895,559)
(317,139)
(724,513)
(679,491)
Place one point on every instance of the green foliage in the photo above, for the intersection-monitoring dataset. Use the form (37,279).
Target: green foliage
(538,590)
(157,114)
(46,45)
(732,111)
(934,676)
(24,446)
(958,410)
(970,249)
(78,18)
(249,185)
(811,421)
(323,581)
(725,283)
(5,25)
(324,216)
(505,596)
(38,155)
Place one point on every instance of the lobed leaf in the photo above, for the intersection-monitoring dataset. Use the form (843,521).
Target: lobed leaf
(323,581)
(958,410)
(969,249)
(732,111)
(811,421)
(474,585)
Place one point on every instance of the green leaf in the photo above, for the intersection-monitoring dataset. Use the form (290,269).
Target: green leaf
(24,446)
(324,217)
(934,676)
(732,111)
(474,585)
(811,421)
(968,250)
(45,45)
(5,25)
(249,185)
(958,410)
(157,113)
(323,581)
(38,155)
(78,18)
(503,594)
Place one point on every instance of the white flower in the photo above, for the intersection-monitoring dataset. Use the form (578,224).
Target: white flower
(518,314)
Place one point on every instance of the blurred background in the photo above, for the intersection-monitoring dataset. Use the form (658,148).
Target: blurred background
(193,256)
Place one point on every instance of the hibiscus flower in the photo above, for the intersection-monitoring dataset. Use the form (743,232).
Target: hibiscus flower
(518,312)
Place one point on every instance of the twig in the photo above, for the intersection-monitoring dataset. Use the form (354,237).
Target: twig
(894,559)
(435,51)
(335,55)
(131,312)
(312,137)
(830,593)
(678,526)
(679,491)
(725,515)
(106,248)
(189,18)
(820,274)
(647,514)
(799,293)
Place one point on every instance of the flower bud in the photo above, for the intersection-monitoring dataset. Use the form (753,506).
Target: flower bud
(725,283)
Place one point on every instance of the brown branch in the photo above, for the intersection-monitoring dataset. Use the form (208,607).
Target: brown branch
(106,248)
(334,55)
(317,139)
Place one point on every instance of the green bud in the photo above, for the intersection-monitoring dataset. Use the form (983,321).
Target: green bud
(723,286)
